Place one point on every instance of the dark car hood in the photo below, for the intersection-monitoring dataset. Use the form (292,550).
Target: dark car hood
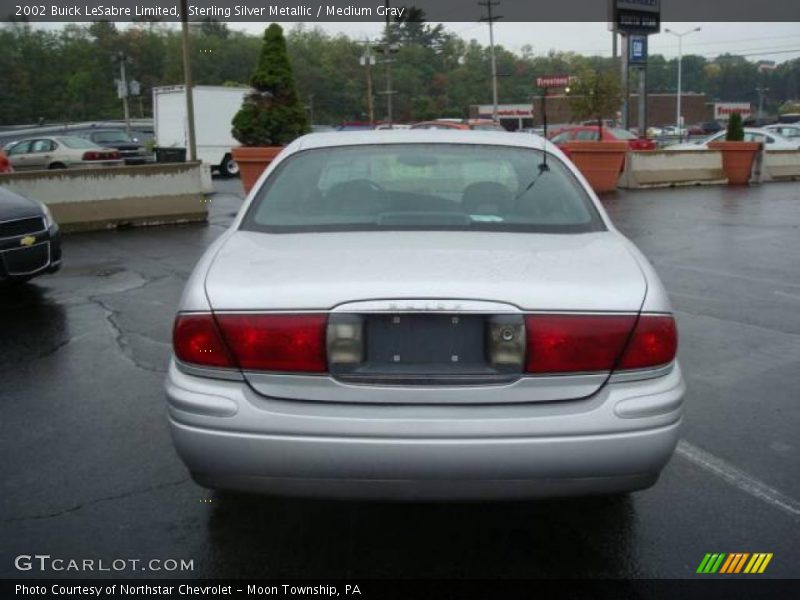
(13,206)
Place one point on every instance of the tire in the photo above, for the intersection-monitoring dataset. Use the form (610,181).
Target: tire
(57,165)
(228,167)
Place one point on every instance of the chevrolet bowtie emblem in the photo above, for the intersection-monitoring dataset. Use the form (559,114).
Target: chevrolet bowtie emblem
(28,240)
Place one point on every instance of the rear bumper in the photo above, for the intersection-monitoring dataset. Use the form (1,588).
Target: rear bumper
(264,445)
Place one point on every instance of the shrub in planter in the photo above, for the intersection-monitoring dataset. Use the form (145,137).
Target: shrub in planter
(271,116)
(737,155)
(596,95)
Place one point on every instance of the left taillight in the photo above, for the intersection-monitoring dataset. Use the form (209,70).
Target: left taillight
(291,343)
(288,343)
(196,340)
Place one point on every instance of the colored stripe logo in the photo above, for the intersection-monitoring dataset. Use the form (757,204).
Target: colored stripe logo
(734,563)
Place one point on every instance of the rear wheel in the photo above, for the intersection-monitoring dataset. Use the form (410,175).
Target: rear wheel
(57,165)
(228,167)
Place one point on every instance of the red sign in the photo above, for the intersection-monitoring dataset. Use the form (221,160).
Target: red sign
(548,81)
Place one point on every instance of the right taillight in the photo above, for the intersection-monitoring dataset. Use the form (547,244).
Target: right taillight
(560,343)
(654,343)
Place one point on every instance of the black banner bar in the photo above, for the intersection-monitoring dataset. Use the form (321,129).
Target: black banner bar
(375,10)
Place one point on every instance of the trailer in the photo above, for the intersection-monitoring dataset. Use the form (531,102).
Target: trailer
(214,109)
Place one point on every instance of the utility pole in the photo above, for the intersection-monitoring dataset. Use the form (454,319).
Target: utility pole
(122,90)
(187,81)
(762,91)
(367,60)
(388,48)
(491,18)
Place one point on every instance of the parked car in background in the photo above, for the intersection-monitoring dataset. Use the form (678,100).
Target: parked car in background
(790,132)
(316,128)
(131,151)
(770,139)
(5,164)
(61,152)
(355,126)
(391,126)
(465,125)
(590,133)
(532,130)
(30,243)
(673,131)
(424,315)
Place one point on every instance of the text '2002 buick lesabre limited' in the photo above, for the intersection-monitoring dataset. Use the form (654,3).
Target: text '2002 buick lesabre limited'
(424,315)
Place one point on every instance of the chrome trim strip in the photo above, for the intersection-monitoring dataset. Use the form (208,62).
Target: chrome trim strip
(212,372)
(641,374)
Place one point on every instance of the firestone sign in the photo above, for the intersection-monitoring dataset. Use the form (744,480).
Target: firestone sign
(548,81)
(724,110)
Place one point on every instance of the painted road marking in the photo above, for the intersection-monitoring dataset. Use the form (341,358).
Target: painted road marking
(738,478)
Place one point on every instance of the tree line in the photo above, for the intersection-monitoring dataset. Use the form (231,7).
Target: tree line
(67,74)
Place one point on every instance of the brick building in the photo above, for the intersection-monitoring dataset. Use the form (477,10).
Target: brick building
(661,109)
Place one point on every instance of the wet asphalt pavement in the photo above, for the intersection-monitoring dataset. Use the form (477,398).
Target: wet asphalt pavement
(88,469)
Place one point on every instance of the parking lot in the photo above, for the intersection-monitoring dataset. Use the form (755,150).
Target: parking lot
(90,472)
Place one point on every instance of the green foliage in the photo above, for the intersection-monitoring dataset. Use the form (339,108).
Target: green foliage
(595,95)
(67,73)
(272,115)
(735,132)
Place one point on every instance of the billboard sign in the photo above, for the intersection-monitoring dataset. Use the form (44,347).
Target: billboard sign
(724,110)
(506,111)
(635,16)
(548,81)
(637,50)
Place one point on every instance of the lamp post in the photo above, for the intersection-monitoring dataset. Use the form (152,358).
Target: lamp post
(680,37)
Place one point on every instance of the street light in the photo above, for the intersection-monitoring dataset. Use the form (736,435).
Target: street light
(680,60)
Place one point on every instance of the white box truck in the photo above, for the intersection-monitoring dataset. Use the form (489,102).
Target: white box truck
(214,109)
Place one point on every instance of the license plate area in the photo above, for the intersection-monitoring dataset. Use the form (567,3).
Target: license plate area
(419,349)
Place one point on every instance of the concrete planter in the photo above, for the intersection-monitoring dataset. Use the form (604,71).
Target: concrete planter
(252,161)
(104,198)
(737,159)
(600,162)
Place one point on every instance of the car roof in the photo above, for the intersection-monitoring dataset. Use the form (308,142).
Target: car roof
(419,136)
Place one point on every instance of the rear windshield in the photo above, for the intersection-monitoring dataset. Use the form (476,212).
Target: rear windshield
(622,134)
(422,186)
(108,137)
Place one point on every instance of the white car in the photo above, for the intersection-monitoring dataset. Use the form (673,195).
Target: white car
(770,139)
(790,132)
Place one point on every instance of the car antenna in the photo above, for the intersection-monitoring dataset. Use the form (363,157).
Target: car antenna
(543,166)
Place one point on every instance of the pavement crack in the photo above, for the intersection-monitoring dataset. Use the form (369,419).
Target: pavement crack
(77,507)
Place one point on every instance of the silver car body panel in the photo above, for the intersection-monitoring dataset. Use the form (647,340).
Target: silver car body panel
(315,435)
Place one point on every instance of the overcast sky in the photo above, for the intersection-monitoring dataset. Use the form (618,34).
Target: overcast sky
(760,41)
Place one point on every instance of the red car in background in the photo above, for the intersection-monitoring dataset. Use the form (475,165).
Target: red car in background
(589,133)
(5,164)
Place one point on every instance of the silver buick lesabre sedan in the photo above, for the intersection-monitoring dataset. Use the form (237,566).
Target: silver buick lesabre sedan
(424,315)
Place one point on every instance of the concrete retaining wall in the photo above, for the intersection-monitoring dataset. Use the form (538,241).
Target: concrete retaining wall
(104,198)
(781,165)
(667,168)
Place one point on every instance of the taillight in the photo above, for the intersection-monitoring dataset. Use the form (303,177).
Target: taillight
(598,343)
(197,340)
(654,343)
(575,343)
(289,343)
(114,156)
